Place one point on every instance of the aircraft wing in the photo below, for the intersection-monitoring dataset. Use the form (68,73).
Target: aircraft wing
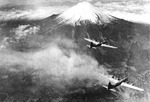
(131,86)
(109,46)
(112,80)
(89,40)
(93,41)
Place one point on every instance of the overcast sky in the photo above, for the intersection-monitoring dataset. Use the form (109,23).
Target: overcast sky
(128,9)
(38,2)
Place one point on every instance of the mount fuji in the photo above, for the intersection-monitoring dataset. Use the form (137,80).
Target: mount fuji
(84,12)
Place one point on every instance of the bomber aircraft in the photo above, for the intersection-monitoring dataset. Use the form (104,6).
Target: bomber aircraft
(94,44)
(114,83)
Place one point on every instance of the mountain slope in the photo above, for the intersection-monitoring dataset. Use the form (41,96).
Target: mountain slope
(84,12)
(84,20)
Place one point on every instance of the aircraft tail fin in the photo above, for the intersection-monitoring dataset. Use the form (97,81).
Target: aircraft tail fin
(110,86)
(109,89)
(91,44)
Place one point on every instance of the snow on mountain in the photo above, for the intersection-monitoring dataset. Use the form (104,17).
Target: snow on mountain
(84,11)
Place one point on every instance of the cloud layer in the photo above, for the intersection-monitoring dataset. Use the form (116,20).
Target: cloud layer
(135,11)
(59,59)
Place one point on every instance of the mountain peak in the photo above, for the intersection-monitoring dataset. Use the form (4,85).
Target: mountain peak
(83,11)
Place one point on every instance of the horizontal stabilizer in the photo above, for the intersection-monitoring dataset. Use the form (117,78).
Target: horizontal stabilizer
(109,89)
(90,46)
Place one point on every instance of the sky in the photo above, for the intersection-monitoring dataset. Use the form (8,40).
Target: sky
(38,2)
(134,10)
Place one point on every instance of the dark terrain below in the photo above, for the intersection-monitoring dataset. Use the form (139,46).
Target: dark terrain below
(22,82)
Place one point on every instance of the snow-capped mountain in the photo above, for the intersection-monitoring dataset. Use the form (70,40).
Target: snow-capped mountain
(86,21)
(84,12)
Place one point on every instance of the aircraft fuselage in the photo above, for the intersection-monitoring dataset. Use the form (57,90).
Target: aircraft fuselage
(110,86)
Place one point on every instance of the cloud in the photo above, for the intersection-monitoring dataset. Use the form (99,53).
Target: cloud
(144,18)
(38,13)
(85,0)
(121,6)
(55,67)
(131,11)
(35,2)
(59,59)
